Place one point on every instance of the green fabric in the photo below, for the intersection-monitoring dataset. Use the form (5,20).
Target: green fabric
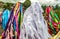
(51,13)
(56,16)
(52,28)
(53,16)
(59,26)
(51,25)
(19,19)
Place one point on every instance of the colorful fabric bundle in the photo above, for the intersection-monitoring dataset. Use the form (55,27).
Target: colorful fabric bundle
(12,29)
(53,23)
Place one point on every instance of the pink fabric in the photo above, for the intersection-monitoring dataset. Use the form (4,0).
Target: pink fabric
(16,18)
(3,35)
(54,23)
(58,22)
(16,15)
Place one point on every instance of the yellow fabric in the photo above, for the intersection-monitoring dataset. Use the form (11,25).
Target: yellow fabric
(57,36)
(22,18)
(0,37)
(56,20)
(16,8)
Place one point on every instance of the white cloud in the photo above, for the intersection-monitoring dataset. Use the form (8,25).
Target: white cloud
(42,1)
(22,1)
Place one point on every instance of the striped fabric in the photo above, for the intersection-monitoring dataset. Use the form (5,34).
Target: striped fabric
(12,30)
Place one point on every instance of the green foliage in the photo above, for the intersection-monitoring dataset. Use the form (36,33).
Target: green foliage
(26,4)
(8,6)
(44,7)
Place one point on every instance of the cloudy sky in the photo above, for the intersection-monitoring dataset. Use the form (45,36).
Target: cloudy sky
(14,1)
(39,0)
(43,0)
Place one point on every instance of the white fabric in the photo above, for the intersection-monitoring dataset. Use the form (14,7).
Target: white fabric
(34,26)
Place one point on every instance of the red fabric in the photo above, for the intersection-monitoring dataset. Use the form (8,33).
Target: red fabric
(48,10)
(55,25)
(58,22)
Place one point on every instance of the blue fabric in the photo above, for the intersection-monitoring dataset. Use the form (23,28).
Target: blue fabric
(21,7)
(14,24)
(5,17)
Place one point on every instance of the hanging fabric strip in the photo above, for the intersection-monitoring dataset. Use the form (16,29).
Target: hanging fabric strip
(13,15)
(5,17)
(16,11)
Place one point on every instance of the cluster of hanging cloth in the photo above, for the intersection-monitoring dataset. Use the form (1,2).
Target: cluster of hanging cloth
(11,22)
(28,25)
